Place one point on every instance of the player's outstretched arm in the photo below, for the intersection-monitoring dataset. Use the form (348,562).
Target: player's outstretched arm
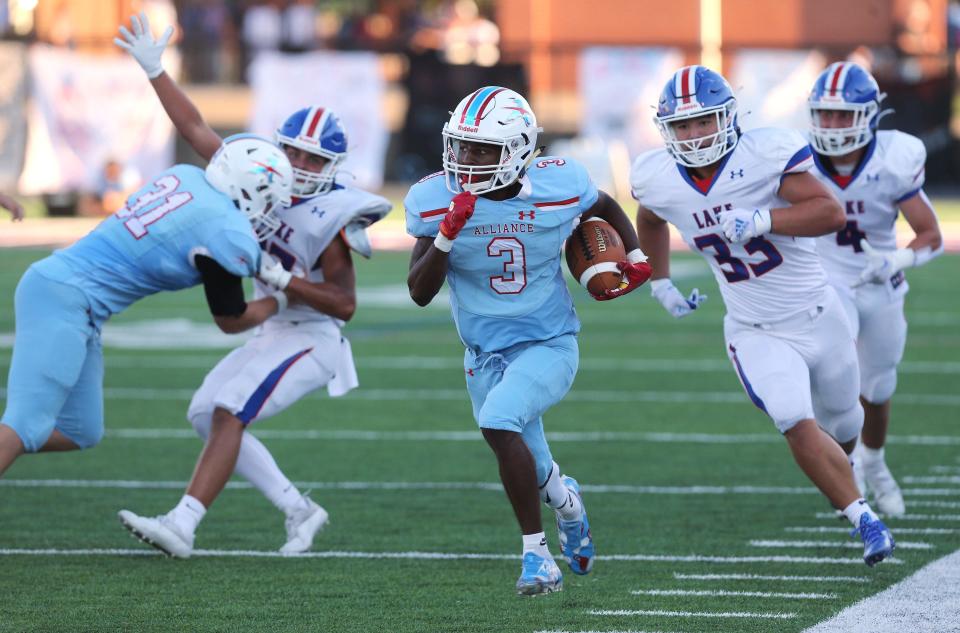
(428,270)
(11,205)
(148,51)
(813,210)
(224,292)
(336,295)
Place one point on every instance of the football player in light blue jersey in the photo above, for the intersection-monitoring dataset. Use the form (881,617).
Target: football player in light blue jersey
(492,225)
(297,351)
(184,228)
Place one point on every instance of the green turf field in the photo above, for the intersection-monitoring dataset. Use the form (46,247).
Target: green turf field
(683,479)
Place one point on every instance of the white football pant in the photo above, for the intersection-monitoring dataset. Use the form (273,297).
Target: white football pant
(880,329)
(804,367)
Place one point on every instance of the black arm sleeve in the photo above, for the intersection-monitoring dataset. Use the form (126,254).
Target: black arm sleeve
(224,290)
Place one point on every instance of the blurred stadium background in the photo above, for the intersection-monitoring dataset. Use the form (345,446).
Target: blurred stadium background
(79,122)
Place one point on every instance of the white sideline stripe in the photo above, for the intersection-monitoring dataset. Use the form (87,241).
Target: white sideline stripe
(906,517)
(925,602)
(832,544)
(627,558)
(936,479)
(405,485)
(583,395)
(723,592)
(856,579)
(935,504)
(474,436)
(658,365)
(695,614)
(945,469)
(423,485)
(842,530)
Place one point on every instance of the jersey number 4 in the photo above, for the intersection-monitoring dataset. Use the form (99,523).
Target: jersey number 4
(739,271)
(152,205)
(851,235)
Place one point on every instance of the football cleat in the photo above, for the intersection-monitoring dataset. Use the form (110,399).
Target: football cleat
(302,526)
(884,487)
(576,542)
(160,532)
(539,575)
(877,540)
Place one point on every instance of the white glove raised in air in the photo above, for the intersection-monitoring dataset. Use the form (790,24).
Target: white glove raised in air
(273,273)
(741,225)
(882,265)
(673,302)
(146,50)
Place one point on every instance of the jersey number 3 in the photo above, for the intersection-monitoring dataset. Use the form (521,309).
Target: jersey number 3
(152,205)
(514,277)
(738,270)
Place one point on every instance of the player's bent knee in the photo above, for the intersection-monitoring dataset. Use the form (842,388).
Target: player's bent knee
(843,426)
(88,437)
(201,422)
(878,387)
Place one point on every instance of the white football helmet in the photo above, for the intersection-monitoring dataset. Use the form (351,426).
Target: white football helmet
(256,175)
(496,116)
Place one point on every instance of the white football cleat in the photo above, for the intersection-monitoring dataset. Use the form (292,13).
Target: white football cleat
(160,532)
(303,526)
(884,487)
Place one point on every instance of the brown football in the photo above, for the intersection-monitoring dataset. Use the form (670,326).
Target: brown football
(592,251)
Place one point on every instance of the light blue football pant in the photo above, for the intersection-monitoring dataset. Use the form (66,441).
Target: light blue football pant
(56,374)
(511,389)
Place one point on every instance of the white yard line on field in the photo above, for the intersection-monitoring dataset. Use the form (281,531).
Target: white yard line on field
(693,614)
(935,479)
(822,529)
(581,395)
(925,602)
(623,558)
(844,579)
(906,517)
(953,505)
(719,593)
(945,469)
(474,436)
(423,485)
(832,544)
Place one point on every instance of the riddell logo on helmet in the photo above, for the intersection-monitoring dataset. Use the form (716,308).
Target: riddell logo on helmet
(307,140)
(693,105)
(467,128)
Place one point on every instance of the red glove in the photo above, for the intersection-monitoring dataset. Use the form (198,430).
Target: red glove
(461,209)
(634,276)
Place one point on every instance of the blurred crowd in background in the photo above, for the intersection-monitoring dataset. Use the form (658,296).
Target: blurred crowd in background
(429,53)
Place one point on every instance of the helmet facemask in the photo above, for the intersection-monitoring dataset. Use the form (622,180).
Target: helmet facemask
(515,153)
(703,150)
(832,141)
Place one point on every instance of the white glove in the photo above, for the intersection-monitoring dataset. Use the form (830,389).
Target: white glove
(273,273)
(741,225)
(673,302)
(146,50)
(882,265)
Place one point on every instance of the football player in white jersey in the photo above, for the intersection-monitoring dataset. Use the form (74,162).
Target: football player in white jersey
(492,225)
(294,353)
(875,174)
(748,204)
